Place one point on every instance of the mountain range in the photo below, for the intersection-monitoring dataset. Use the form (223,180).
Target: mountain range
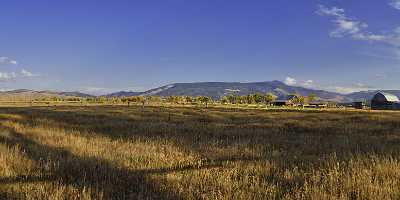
(212,89)
(24,94)
(218,89)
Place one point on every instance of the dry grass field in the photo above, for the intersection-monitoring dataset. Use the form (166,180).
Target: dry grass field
(116,152)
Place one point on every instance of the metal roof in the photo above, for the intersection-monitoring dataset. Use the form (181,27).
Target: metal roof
(387,96)
(286,97)
(280,100)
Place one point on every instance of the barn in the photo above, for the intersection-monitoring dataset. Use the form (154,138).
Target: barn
(385,101)
(285,101)
(359,105)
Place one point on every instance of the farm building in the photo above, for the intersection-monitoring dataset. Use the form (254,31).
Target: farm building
(359,105)
(317,105)
(287,100)
(385,101)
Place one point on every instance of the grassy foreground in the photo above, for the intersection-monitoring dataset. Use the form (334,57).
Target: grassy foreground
(195,153)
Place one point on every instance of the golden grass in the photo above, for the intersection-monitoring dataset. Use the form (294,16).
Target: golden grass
(117,152)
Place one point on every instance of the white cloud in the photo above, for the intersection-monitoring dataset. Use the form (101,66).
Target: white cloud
(370,37)
(334,11)
(301,83)
(6,76)
(7,60)
(3,59)
(357,87)
(345,26)
(395,4)
(26,73)
(290,81)
(355,29)
(308,83)
(94,89)
(14,62)
(343,89)
(380,76)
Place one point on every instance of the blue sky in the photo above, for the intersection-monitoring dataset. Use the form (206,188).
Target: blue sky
(100,46)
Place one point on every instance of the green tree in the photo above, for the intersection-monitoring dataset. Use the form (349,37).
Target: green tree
(298,99)
(189,99)
(204,100)
(101,99)
(269,98)
(258,98)
(55,99)
(154,99)
(249,99)
(224,100)
(170,99)
(232,99)
(312,97)
(124,100)
(174,99)
(115,100)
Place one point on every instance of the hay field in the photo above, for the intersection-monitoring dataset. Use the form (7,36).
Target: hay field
(117,152)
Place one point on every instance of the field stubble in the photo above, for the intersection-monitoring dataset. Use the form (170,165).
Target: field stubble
(195,153)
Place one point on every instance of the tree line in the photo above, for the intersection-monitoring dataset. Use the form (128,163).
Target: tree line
(256,98)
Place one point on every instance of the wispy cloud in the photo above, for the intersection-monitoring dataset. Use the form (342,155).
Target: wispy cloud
(395,4)
(308,83)
(13,75)
(349,89)
(343,89)
(7,60)
(10,76)
(379,76)
(104,90)
(350,27)
(26,73)
(346,26)
(389,54)
(6,76)
(91,89)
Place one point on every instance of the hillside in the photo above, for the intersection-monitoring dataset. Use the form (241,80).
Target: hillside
(219,89)
(24,94)
(123,94)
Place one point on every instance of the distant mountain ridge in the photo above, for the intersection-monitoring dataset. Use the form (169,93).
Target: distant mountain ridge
(212,89)
(24,94)
(218,89)
(123,94)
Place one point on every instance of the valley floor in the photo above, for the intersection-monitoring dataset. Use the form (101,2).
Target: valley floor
(119,152)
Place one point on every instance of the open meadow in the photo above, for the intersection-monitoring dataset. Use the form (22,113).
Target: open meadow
(120,152)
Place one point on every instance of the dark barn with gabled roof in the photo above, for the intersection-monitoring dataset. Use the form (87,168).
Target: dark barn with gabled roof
(385,101)
(285,101)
